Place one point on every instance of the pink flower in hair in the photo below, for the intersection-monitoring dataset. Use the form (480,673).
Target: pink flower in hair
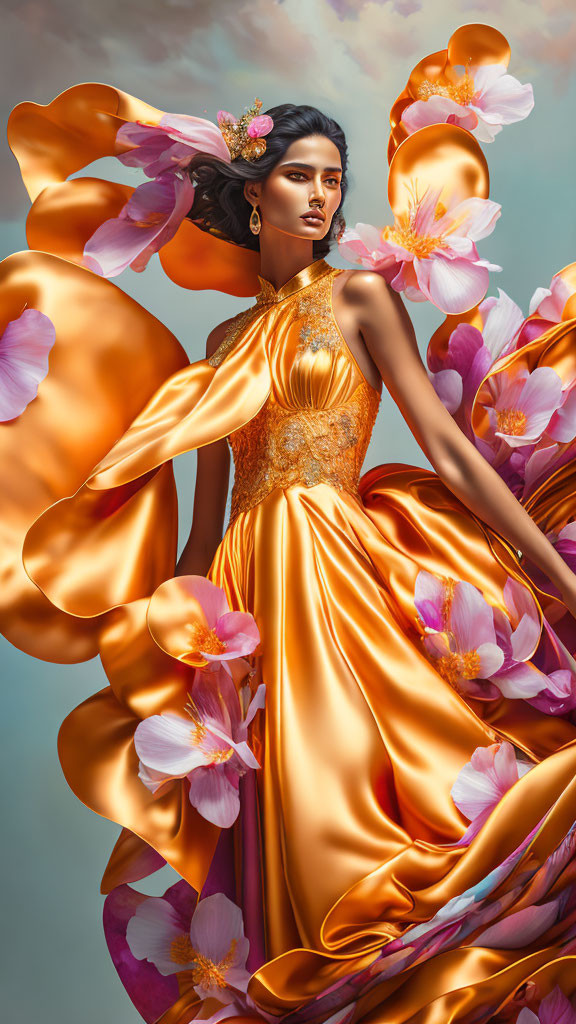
(259,126)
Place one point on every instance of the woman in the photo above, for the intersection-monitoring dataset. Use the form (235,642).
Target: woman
(364,889)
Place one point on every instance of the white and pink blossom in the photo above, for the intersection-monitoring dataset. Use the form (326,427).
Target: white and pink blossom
(430,253)
(482,100)
(213,947)
(484,780)
(209,747)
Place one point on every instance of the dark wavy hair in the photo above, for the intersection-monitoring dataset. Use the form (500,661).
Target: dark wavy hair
(220,206)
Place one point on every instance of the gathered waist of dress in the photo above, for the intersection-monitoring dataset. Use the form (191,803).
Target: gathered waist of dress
(287,447)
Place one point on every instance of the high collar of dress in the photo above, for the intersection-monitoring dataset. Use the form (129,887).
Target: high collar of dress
(304,277)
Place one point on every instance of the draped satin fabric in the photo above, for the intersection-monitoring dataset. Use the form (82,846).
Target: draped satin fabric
(361,739)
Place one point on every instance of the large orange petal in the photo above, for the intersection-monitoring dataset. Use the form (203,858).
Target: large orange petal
(441,156)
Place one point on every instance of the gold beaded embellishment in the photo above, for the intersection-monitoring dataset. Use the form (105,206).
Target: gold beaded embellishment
(239,323)
(283,447)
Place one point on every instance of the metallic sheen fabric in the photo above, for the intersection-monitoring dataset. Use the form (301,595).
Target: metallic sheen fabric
(362,739)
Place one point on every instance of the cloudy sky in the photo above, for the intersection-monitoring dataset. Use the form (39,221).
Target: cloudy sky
(351,58)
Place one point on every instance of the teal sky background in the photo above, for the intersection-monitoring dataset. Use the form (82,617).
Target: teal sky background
(350,58)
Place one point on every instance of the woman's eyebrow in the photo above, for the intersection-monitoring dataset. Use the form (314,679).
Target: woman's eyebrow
(308,167)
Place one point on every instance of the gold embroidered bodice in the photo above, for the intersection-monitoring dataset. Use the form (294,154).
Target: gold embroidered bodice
(316,424)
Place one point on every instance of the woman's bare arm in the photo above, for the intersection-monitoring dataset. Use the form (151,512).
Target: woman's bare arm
(210,494)
(390,339)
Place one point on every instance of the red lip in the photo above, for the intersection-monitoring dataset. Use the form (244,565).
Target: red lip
(314,215)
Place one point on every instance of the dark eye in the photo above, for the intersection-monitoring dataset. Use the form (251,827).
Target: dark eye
(298,174)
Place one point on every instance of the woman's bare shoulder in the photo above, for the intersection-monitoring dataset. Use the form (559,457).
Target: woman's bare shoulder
(359,285)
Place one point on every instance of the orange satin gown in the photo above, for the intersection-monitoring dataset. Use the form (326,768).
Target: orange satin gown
(362,738)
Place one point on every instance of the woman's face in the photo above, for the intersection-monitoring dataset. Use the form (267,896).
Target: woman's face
(306,177)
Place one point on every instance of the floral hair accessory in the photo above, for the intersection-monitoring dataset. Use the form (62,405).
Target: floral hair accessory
(244,136)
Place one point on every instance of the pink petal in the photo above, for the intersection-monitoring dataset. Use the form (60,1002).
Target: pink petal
(239,631)
(502,323)
(25,346)
(209,596)
(453,286)
(521,681)
(259,126)
(471,618)
(503,99)
(256,704)
(491,659)
(474,217)
(165,742)
(541,396)
(562,426)
(436,110)
(214,796)
(520,929)
(150,932)
(216,923)
(555,1008)
(437,645)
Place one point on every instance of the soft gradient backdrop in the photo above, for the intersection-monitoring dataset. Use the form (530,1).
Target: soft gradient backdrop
(351,58)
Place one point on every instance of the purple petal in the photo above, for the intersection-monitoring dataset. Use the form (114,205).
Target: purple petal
(429,594)
(448,386)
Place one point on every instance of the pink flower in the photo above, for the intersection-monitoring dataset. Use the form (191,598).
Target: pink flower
(211,750)
(461,637)
(24,349)
(189,618)
(150,218)
(480,650)
(170,144)
(482,100)
(213,947)
(259,126)
(429,253)
(482,783)
(523,404)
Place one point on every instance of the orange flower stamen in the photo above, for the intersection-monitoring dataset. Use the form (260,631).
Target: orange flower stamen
(204,639)
(461,91)
(453,667)
(511,421)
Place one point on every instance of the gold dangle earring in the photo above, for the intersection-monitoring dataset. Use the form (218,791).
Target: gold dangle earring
(255,222)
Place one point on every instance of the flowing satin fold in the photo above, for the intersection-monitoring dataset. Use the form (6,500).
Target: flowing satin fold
(82,407)
(71,550)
